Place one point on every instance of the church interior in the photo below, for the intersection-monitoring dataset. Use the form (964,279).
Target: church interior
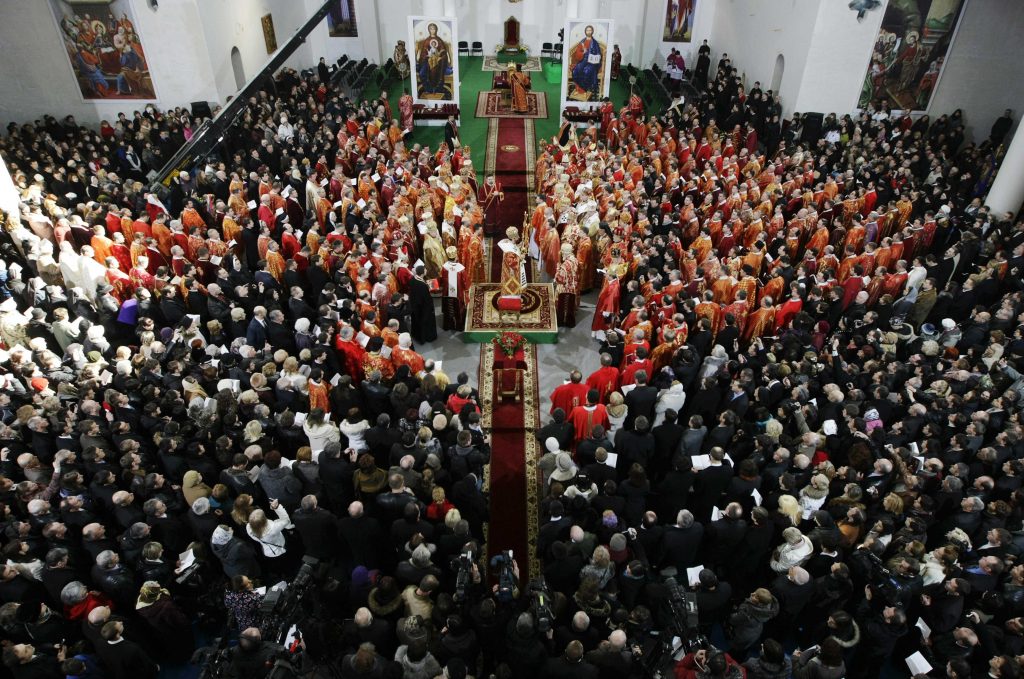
(580,338)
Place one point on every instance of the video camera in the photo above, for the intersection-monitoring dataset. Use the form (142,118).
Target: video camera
(214,660)
(282,608)
(882,579)
(464,563)
(507,584)
(657,654)
(540,604)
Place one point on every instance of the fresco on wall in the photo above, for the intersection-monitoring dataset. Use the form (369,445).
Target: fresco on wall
(679,20)
(588,57)
(436,66)
(269,35)
(104,49)
(909,52)
(341,22)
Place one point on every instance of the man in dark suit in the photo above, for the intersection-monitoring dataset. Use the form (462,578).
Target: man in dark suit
(298,307)
(256,333)
(738,401)
(681,543)
(726,535)
(124,659)
(318,529)
(710,484)
(279,335)
(451,134)
(421,304)
(557,528)
(363,535)
(640,400)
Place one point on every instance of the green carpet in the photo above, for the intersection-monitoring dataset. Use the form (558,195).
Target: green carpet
(474,130)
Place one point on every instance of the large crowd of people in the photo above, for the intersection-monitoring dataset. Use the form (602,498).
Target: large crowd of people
(807,411)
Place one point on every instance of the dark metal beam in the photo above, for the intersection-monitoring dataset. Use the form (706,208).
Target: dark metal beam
(212,131)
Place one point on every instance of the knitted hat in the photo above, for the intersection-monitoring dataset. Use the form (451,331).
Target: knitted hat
(563,462)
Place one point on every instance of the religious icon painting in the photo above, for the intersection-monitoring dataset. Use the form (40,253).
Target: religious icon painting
(341,21)
(588,59)
(104,49)
(435,71)
(269,35)
(679,20)
(909,53)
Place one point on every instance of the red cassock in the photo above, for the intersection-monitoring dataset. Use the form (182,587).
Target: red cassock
(607,303)
(787,312)
(584,419)
(352,355)
(568,396)
(605,380)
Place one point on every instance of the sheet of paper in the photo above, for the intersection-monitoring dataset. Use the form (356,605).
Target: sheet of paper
(926,631)
(757,497)
(215,260)
(336,205)
(278,212)
(335,380)
(352,182)
(700,461)
(375,177)
(437,366)
(729,460)
(918,665)
(422,228)
(716,514)
(361,203)
(362,338)
(187,558)
(613,459)
(323,182)
(262,591)
(106,377)
(385,351)
(251,205)
(300,419)
(693,575)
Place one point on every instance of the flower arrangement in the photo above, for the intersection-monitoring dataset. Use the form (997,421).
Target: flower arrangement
(510,342)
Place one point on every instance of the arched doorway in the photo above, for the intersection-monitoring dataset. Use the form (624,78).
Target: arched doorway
(236,66)
(780,66)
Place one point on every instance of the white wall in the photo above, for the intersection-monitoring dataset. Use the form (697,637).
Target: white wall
(781,27)
(237,23)
(984,75)
(836,61)
(36,78)
(657,50)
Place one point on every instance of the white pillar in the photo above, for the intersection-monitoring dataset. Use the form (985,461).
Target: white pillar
(572,9)
(449,8)
(589,9)
(433,8)
(1007,192)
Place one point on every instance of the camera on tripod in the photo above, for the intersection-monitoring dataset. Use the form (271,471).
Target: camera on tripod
(540,604)
(282,608)
(464,563)
(507,581)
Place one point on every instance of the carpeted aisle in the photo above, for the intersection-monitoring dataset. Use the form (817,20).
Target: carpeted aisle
(512,476)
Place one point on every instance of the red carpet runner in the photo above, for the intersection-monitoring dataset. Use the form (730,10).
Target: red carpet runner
(512,479)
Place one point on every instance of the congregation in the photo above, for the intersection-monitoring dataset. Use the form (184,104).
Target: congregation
(807,411)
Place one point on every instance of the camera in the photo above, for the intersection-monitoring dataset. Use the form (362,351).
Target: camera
(285,607)
(506,576)
(540,604)
(464,564)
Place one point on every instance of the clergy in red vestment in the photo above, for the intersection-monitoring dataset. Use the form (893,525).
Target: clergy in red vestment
(319,391)
(607,304)
(788,311)
(404,354)
(584,418)
(761,322)
(351,353)
(605,379)
(571,394)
